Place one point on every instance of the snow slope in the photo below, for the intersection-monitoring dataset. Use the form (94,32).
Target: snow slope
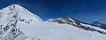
(33,27)
(54,31)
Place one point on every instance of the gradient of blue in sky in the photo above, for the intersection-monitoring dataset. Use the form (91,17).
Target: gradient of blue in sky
(84,10)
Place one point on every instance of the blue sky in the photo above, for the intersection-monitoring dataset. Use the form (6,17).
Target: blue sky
(83,10)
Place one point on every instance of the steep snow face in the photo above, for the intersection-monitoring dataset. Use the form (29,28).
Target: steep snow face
(10,16)
(23,13)
(8,30)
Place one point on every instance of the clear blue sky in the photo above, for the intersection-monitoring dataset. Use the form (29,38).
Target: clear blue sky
(83,10)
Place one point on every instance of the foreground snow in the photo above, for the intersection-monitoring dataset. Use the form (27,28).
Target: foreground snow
(54,31)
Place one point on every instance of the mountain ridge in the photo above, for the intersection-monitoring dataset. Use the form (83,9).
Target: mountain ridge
(76,23)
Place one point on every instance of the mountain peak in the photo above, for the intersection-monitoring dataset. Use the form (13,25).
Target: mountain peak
(15,5)
(21,11)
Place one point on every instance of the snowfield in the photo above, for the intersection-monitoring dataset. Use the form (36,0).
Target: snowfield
(54,31)
(17,23)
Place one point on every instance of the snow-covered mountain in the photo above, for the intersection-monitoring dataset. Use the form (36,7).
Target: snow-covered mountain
(65,20)
(10,17)
(98,24)
(23,13)
(79,24)
(17,23)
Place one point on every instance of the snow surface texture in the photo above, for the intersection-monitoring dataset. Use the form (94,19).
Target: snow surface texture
(32,27)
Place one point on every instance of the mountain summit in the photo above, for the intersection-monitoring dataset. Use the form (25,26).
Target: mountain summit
(22,12)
